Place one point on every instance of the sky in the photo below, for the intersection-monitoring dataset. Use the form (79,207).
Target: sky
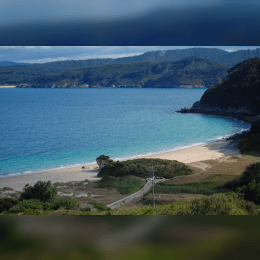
(42,54)
(13,11)
(129,22)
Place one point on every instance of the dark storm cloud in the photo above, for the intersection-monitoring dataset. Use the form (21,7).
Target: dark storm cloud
(190,23)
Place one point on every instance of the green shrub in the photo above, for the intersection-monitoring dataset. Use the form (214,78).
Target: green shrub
(67,203)
(193,188)
(251,141)
(7,203)
(99,206)
(7,188)
(231,185)
(251,192)
(33,204)
(143,168)
(88,209)
(251,173)
(32,212)
(43,191)
(229,203)
(209,206)
(26,204)
(4,213)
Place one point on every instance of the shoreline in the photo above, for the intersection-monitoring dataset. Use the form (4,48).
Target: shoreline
(208,151)
(93,164)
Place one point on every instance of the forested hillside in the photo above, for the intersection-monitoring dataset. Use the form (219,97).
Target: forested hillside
(188,72)
(240,89)
(15,75)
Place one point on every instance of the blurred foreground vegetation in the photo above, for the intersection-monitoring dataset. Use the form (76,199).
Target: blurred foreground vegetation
(128,237)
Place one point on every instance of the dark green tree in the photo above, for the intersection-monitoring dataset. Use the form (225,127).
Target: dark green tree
(251,191)
(43,191)
(252,173)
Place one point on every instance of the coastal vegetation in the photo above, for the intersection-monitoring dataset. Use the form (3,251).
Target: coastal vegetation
(42,191)
(35,200)
(229,203)
(252,173)
(220,194)
(251,140)
(143,168)
(124,185)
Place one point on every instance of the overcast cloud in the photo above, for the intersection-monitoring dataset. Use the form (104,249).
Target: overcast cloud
(131,22)
(13,11)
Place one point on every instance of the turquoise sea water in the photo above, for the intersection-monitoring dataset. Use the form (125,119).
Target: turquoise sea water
(51,128)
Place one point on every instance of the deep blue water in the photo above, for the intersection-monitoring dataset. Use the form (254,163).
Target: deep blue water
(51,128)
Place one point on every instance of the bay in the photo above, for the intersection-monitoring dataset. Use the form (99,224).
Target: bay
(44,129)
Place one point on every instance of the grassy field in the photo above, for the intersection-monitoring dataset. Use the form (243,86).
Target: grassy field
(125,185)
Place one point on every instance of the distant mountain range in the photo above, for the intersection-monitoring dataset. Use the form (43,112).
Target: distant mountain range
(30,74)
(185,73)
(11,63)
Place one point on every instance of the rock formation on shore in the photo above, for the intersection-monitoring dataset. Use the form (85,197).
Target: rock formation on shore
(102,160)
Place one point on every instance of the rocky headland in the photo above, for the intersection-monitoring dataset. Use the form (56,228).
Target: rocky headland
(238,95)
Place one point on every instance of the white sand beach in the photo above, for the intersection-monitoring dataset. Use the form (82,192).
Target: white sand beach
(203,152)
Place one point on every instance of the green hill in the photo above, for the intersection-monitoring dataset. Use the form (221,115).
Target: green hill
(15,75)
(188,72)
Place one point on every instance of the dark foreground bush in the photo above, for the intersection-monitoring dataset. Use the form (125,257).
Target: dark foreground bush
(43,191)
(251,141)
(251,192)
(252,173)
(7,203)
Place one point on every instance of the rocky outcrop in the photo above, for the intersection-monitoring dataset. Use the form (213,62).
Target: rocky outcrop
(242,113)
(103,160)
